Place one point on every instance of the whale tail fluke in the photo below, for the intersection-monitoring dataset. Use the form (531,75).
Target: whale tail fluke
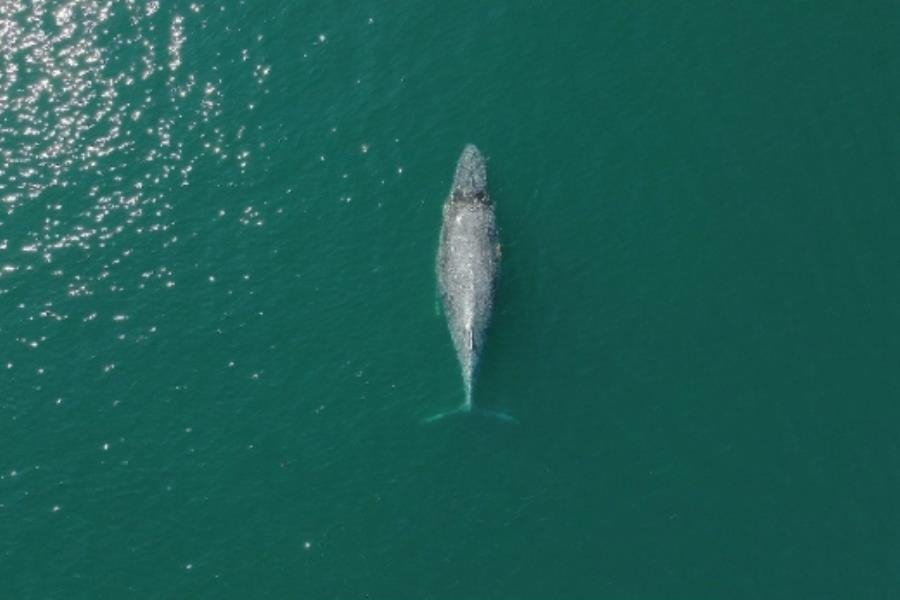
(460,410)
(466,409)
(496,414)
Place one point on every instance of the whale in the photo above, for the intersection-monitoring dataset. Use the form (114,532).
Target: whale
(467,265)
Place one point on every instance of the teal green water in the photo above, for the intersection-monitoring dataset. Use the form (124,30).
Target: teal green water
(218,338)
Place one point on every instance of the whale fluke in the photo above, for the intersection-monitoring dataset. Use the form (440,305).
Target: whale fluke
(462,411)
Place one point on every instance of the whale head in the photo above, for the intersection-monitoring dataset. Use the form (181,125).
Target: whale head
(470,179)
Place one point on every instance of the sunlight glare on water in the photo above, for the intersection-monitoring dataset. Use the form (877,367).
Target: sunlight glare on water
(106,110)
(80,103)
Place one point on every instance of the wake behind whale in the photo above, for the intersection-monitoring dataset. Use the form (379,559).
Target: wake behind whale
(468,262)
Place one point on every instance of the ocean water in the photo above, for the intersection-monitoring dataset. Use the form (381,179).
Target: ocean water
(218,326)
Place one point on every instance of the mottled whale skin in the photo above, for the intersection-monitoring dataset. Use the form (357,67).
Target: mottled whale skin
(468,262)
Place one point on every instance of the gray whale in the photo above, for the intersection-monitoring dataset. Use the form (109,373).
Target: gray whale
(468,263)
